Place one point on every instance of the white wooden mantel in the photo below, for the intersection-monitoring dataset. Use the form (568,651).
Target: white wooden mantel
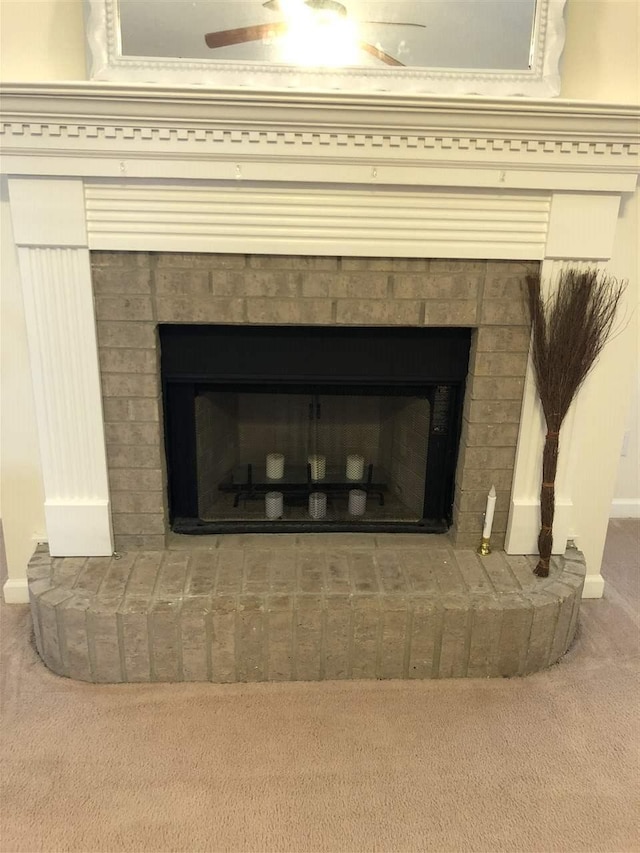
(116,167)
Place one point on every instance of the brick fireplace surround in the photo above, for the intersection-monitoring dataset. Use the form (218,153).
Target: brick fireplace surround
(135,291)
(132,206)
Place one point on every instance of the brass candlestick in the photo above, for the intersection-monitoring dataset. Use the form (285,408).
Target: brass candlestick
(484,548)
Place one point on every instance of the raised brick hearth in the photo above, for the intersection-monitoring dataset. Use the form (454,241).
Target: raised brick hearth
(136,291)
(306,607)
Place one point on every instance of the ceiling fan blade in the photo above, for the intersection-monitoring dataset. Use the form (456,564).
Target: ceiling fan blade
(379,54)
(242,35)
(395,24)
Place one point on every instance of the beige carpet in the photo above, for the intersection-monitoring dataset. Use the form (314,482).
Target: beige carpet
(549,762)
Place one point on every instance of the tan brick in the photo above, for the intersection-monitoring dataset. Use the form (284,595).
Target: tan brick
(141,409)
(443,287)
(500,364)
(378,312)
(120,360)
(317,284)
(490,435)
(137,502)
(137,523)
(503,339)
(110,281)
(132,432)
(173,282)
(446,266)
(132,335)
(129,385)
(291,262)
(481,480)
(278,284)
(470,522)
(504,313)
(125,260)
(367,264)
(487,457)
(123,308)
(477,501)
(133,456)
(360,285)
(198,261)
(506,279)
(503,388)
(183,310)
(458,312)
(136,479)
(493,411)
(126,542)
(289,311)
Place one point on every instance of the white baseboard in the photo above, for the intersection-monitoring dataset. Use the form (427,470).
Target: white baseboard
(625,508)
(593,586)
(16,591)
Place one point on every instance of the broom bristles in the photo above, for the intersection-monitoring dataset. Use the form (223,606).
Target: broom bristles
(568,332)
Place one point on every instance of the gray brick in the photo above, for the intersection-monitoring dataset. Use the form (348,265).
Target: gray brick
(145,434)
(166,651)
(65,570)
(137,308)
(454,648)
(138,502)
(490,388)
(444,287)
(104,645)
(338,631)
(136,479)
(282,571)
(136,636)
(194,628)
(517,616)
(121,360)
(544,618)
(138,523)
(134,456)
(172,575)
(202,310)
(275,284)
(310,573)
(132,281)
(308,637)
(503,313)
(280,643)
(366,628)
(143,542)
(561,637)
(426,623)
(486,626)
(287,311)
(177,282)
(250,656)
(203,573)
(503,339)
(129,385)
(490,435)
(48,603)
(223,639)
(500,364)
(394,652)
(359,285)
(458,312)
(363,572)
(75,646)
(128,335)
(378,312)
(92,575)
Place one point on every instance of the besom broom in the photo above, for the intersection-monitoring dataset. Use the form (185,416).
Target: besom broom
(569,330)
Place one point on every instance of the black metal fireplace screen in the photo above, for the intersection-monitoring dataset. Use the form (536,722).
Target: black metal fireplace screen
(291,428)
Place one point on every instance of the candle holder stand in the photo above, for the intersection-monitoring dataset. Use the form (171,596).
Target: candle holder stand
(484,548)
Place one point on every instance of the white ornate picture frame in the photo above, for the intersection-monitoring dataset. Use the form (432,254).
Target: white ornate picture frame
(540,80)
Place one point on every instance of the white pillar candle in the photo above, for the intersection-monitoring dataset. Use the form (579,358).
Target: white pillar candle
(318,464)
(488,515)
(274,504)
(317,505)
(357,502)
(355,467)
(275,466)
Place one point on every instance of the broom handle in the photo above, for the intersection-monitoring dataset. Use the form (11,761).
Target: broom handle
(547,502)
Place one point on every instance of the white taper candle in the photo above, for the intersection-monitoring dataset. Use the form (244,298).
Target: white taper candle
(488,515)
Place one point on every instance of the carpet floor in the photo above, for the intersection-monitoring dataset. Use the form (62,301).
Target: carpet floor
(544,763)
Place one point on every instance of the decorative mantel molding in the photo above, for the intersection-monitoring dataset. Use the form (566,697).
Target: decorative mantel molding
(133,131)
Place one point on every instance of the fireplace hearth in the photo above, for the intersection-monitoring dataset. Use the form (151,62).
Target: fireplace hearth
(299,429)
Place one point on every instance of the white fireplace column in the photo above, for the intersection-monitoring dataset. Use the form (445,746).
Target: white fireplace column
(51,238)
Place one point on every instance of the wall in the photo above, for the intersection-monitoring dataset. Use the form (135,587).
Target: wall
(43,40)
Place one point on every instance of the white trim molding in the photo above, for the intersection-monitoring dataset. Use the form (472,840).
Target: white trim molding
(16,591)
(625,508)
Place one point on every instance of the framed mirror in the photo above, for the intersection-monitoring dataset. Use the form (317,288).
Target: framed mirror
(485,47)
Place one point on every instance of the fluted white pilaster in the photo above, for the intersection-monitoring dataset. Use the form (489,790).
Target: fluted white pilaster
(56,284)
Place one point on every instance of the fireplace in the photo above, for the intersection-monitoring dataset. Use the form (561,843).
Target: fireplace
(305,428)
(119,171)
